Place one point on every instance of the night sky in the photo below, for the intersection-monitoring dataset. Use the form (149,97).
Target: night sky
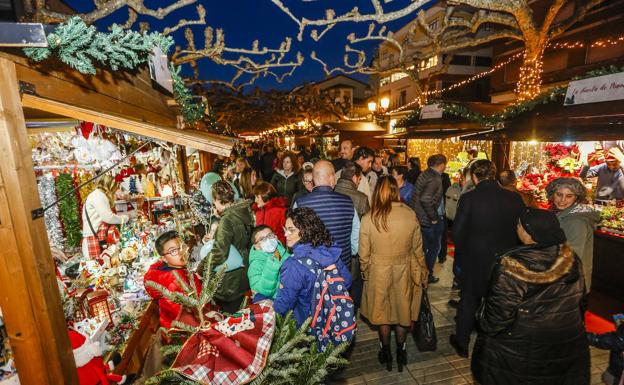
(244,21)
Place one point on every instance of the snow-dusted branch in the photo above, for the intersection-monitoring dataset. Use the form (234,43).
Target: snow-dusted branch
(380,16)
(104,8)
(201,20)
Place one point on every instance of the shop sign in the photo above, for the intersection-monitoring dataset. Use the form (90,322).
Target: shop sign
(597,89)
(159,69)
(431,111)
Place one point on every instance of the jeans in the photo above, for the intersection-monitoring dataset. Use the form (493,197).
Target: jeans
(432,236)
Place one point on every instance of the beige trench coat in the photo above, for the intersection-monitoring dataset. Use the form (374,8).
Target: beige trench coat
(393,267)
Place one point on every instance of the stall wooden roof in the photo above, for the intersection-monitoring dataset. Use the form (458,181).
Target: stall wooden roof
(354,126)
(121,100)
(555,122)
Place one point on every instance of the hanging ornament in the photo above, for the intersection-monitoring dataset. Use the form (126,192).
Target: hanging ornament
(47,194)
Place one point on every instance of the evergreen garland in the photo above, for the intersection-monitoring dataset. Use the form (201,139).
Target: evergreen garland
(509,113)
(191,111)
(81,46)
(68,209)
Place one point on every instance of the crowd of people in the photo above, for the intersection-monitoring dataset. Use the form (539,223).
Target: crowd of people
(375,229)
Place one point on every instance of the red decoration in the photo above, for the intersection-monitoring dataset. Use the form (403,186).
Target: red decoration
(229,351)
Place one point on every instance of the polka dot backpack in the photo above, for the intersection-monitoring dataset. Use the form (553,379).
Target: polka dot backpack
(333,311)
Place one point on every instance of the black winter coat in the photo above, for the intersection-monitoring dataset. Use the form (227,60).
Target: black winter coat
(427,195)
(484,227)
(613,341)
(531,321)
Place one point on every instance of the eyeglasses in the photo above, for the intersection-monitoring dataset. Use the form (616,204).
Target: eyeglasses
(291,230)
(174,252)
(268,236)
(308,181)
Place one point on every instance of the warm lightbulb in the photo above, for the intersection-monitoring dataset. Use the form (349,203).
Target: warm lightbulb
(372,106)
(385,102)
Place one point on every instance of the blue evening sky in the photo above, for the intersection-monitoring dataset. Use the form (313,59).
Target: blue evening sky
(244,21)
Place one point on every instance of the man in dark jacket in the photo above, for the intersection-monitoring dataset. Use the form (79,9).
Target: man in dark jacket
(335,210)
(347,185)
(234,229)
(346,153)
(266,162)
(484,227)
(429,207)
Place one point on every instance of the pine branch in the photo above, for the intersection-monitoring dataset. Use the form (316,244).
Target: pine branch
(169,350)
(79,46)
(169,377)
(184,327)
(176,297)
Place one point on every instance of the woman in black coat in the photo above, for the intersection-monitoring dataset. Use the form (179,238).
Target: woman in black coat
(531,321)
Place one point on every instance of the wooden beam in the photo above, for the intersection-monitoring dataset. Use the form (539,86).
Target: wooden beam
(197,139)
(29,293)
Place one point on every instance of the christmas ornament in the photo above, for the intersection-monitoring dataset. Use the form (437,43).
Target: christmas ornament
(47,194)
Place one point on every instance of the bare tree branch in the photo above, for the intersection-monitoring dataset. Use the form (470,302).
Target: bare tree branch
(105,8)
(201,12)
(354,15)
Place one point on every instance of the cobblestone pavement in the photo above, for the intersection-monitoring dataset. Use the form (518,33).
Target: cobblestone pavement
(442,367)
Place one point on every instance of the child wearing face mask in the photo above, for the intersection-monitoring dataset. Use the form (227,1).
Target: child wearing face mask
(265,260)
(173,259)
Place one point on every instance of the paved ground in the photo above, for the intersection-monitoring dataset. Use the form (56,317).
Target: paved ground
(442,367)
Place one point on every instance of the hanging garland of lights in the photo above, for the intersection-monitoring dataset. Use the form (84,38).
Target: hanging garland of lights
(509,113)
(601,43)
(80,46)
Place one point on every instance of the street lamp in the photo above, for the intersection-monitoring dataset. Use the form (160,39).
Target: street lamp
(385,102)
(372,106)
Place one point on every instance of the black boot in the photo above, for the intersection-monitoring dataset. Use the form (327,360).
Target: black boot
(401,357)
(385,357)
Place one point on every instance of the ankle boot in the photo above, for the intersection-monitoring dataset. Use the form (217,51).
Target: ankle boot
(385,357)
(401,357)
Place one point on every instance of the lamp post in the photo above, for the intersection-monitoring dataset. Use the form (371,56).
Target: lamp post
(378,111)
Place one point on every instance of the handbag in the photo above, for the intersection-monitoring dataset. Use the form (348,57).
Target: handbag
(424,329)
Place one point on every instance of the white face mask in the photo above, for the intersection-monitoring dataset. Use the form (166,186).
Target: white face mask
(269,245)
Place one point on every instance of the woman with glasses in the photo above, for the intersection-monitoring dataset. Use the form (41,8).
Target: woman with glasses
(309,239)
(393,267)
(266,257)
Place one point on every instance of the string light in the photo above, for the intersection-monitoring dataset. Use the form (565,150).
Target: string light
(462,83)
(530,80)
(601,43)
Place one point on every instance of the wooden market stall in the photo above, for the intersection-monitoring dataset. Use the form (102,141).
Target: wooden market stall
(601,122)
(124,100)
(361,133)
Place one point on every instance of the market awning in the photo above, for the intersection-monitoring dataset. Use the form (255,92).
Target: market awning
(216,144)
(354,126)
(555,122)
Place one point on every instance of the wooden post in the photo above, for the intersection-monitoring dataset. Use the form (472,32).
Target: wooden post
(183,168)
(500,153)
(29,294)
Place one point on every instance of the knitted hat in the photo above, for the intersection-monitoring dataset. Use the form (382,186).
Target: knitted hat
(543,226)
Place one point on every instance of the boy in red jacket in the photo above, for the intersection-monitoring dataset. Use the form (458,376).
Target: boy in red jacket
(174,256)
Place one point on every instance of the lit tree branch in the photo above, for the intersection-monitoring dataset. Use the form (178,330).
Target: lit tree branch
(201,12)
(104,8)
(354,15)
